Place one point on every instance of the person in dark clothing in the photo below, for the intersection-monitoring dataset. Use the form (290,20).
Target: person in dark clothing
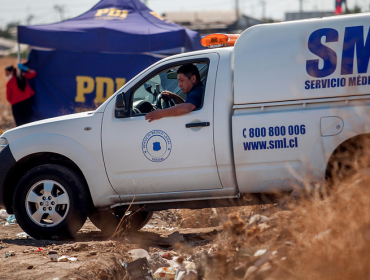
(188,78)
(19,92)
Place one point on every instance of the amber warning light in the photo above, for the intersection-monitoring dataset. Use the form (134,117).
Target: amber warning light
(219,40)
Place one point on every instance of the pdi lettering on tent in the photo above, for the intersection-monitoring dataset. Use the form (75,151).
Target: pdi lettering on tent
(103,86)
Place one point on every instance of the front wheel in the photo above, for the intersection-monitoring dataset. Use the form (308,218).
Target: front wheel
(50,202)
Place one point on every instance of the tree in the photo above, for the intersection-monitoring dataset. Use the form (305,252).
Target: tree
(10,31)
(357,9)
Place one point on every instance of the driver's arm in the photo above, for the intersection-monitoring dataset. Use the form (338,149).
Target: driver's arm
(178,110)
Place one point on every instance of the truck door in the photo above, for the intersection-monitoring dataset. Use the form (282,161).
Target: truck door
(165,157)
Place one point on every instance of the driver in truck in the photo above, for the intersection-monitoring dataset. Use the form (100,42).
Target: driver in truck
(190,84)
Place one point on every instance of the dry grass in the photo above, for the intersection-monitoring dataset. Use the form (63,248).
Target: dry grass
(213,216)
(318,236)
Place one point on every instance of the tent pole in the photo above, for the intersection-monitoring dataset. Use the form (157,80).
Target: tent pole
(19,53)
(150,55)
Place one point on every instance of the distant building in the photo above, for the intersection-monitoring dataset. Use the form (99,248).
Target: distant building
(307,15)
(8,46)
(243,23)
(208,22)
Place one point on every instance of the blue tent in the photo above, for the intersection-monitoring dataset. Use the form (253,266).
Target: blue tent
(82,61)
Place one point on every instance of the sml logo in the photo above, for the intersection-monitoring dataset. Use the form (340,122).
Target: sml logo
(111,13)
(354,45)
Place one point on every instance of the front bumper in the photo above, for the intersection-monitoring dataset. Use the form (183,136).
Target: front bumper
(6,162)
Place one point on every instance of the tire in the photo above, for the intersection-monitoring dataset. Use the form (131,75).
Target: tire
(349,159)
(50,202)
(107,221)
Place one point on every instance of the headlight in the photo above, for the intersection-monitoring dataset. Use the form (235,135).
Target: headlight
(3,143)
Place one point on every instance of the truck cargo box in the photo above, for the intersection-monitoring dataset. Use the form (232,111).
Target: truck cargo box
(317,58)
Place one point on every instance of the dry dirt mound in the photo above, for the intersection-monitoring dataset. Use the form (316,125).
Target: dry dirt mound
(317,237)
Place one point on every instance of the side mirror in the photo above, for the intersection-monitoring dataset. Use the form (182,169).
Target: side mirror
(120,101)
(120,111)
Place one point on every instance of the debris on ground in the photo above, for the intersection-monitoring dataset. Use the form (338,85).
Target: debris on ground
(66,259)
(157,261)
(3,214)
(257,219)
(165,273)
(10,219)
(53,255)
(138,254)
(23,235)
(138,270)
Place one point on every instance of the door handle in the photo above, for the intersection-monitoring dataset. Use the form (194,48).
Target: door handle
(197,124)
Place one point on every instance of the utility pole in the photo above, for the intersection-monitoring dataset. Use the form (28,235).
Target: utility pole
(237,12)
(30,16)
(29,19)
(60,10)
(263,4)
(300,9)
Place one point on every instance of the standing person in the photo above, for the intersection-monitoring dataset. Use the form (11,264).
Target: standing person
(19,92)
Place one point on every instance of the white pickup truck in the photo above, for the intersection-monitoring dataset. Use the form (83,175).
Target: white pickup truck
(282,102)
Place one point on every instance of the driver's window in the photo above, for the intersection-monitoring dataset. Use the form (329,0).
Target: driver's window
(146,96)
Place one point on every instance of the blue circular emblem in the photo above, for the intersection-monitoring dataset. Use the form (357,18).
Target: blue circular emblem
(156,146)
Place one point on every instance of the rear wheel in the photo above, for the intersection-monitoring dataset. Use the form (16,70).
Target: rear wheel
(107,221)
(50,202)
(350,158)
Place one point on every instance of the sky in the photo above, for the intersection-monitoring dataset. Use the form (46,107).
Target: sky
(43,10)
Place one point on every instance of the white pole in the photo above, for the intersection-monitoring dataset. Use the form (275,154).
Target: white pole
(19,53)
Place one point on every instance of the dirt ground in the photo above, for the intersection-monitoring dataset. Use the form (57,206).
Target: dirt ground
(98,257)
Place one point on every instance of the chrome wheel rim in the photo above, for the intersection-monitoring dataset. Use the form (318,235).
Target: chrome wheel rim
(47,203)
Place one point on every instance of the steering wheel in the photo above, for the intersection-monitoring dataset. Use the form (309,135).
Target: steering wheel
(164,102)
